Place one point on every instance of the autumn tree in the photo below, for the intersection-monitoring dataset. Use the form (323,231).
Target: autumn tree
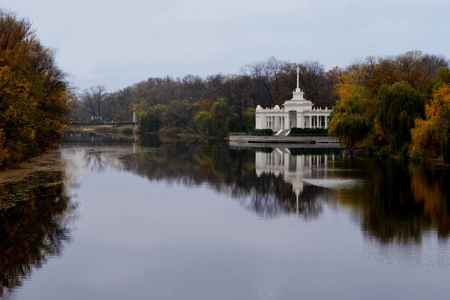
(394,91)
(33,93)
(348,120)
(431,136)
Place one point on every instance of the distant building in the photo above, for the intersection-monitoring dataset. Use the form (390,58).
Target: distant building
(297,112)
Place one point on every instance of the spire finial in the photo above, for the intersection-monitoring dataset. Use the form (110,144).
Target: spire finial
(298,77)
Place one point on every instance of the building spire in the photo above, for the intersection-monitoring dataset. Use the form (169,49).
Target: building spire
(298,93)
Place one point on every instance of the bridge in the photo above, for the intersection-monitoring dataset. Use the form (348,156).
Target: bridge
(102,123)
(134,123)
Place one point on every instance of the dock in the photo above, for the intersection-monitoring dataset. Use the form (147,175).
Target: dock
(306,140)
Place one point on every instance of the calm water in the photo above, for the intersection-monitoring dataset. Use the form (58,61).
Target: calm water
(200,220)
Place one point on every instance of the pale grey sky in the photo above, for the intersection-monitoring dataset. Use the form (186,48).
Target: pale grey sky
(117,43)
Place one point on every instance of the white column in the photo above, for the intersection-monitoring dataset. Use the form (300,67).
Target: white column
(326,121)
(310,121)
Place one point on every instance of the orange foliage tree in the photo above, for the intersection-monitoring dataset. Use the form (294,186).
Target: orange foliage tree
(430,135)
(33,93)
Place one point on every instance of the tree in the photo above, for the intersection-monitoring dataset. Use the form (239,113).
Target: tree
(223,117)
(347,119)
(181,114)
(397,107)
(152,119)
(430,136)
(93,99)
(33,93)
(264,81)
(314,81)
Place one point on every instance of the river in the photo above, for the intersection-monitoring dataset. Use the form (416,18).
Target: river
(116,218)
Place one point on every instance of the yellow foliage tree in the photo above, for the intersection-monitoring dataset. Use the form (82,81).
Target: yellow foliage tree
(348,118)
(33,93)
(427,134)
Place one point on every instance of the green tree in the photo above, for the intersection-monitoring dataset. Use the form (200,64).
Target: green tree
(181,114)
(347,120)
(151,120)
(204,121)
(397,107)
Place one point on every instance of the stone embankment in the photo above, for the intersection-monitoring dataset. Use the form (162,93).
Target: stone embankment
(308,140)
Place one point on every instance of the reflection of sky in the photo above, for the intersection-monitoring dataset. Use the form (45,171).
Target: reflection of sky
(80,162)
(140,239)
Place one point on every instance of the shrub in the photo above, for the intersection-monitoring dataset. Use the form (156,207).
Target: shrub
(262,132)
(308,131)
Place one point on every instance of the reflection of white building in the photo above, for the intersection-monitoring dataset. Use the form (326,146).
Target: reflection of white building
(293,168)
(297,112)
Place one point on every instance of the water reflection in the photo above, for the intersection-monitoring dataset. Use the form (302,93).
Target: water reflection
(35,218)
(392,201)
(295,170)
(228,171)
(400,202)
(173,238)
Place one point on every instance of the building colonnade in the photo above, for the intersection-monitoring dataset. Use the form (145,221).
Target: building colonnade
(282,121)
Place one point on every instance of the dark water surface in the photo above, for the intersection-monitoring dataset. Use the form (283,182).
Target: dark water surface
(179,219)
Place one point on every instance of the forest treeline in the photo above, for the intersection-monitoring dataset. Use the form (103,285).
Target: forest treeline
(395,106)
(214,105)
(33,93)
(391,106)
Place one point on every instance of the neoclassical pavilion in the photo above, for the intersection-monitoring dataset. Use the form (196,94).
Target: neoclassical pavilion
(297,112)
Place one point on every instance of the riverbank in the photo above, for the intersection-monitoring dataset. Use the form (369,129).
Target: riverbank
(24,180)
(47,161)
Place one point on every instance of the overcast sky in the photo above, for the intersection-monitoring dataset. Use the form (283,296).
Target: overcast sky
(117,43)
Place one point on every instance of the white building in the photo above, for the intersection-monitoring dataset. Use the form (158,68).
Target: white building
(297,112)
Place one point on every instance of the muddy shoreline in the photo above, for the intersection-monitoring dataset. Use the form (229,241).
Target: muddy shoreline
(48,161)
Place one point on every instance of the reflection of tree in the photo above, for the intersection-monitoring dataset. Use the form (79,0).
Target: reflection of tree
(395,203)
(34,226)
(430,187)
(227,171)
(92,139)
(274,196)
(93,160)
(401,202)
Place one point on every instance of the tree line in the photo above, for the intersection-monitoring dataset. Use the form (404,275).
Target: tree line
(395,106)
(214,105)
(33,93)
